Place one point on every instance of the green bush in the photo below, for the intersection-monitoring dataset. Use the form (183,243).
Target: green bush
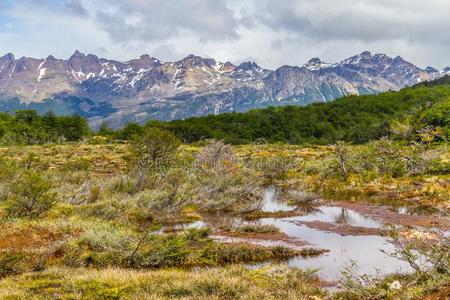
(14,263)
(30,195)
(153,151)
(167,251)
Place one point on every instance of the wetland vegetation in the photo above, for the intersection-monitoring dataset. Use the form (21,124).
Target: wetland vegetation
(141,214)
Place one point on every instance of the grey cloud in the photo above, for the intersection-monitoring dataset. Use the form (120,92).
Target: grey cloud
(357,19)
(165,52)
(162,19)
(75,7)
(68,7)
(273,32)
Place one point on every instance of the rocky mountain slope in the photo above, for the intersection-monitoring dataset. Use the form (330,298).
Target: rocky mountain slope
(146,88)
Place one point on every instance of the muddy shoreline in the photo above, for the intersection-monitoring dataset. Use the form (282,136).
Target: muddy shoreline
(383,214)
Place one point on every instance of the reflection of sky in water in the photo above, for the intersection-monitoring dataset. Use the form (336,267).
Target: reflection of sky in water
(196,224)
(333,214)
(364,250)
(272,203)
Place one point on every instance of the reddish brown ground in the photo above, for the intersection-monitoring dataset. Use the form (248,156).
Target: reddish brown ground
(27,238)
(442,294)
(342,229)
(387,216)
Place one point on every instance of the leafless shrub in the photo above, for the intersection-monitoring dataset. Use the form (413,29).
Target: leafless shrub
(239,191)
(175,190)
(216,157)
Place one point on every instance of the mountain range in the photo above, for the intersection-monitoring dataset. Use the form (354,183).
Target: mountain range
(146,88)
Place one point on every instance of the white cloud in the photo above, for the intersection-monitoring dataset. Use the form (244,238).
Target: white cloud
(271,32)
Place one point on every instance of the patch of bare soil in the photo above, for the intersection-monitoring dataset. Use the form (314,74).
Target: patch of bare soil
(28,238)
(442,294)
(342,229)
(387,216)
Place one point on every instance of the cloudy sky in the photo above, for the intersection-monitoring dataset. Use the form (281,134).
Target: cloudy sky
(270,32)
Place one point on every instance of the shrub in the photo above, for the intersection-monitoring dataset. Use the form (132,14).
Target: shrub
(221,184)
(428,255)
(239,191)
(154,150)
(13,263)
(124,184)
(382,158)
(79,164)
(273,168)
(30,196)
(174,191)
(7,169)
(216,157)
(197,234)
(259,228)
(164,251)
(87,193)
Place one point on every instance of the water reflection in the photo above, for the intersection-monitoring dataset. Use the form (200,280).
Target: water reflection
(364,250)
(394,204)
(272,201)
(339,215)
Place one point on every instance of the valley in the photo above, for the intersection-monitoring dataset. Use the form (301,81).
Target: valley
(117,92)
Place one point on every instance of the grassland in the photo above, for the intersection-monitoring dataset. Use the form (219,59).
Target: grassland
(109,232)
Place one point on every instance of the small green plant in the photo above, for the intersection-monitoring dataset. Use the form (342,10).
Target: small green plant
(30,195)
(79,164)
(13,263)
(258,229)
(197,234)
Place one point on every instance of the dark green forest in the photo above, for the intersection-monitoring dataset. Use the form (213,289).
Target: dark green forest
(355,119)
(28,127)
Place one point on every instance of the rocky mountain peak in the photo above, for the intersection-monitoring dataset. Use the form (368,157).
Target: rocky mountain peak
(366,54)
(364,58)
(145,61)
(399,60)
(315,64)
(314,60)
(194,85)
(229,65)
(192,61)
(431,70)
(7,57)
(6,61)
(77,54)
(249,66)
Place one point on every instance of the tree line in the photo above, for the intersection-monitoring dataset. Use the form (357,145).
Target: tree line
(28,127)
(355,119)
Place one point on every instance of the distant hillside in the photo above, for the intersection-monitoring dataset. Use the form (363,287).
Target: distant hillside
(356,119)
(104,90)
